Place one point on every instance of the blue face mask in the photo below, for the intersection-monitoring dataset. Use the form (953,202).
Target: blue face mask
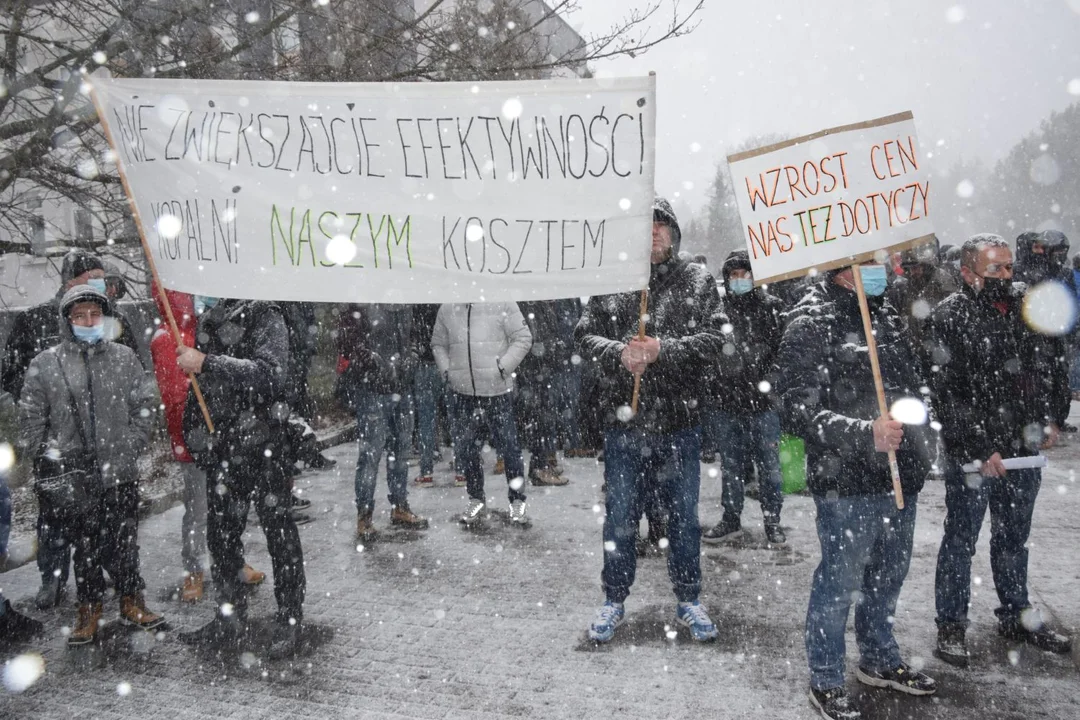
(740,286)
(204,303)
(91,335)
(98,284)
(874,279)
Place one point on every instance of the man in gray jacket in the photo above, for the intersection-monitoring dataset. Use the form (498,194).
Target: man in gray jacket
(89,395)
(477,348)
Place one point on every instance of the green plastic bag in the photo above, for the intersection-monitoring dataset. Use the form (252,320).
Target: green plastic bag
(792,464)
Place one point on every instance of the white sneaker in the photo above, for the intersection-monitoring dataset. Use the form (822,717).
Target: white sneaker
(473,514)
(518,515)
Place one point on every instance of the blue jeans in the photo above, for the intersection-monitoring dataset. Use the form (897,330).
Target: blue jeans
(865,553)
(1011,500)
(567,386)
(634,462)
(496,414)
(759,436)
(383,423)
(427,388)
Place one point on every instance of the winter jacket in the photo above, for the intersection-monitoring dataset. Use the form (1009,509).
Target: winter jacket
(756,319)
(998,383)
(244,380)
(381,346)
(915,300)
(423,320)
(300,322)
(172,381)
(686,316)
(105,384)
(828,397)
(38,329)
(549,353)
(478,346)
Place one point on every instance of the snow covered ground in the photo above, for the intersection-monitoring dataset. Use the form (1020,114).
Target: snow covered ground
(490,623)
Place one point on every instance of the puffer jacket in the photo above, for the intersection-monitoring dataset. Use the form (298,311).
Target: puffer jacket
(109,389)
(828,396)
(478,346)
(244,379)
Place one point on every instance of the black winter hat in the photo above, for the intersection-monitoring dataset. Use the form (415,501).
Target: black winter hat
(664,213)
(78,262)
(736,260)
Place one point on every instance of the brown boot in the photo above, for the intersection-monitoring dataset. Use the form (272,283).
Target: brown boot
(192,591)
(86,624)
(402,516)
(251,576)
(500,467)
(133,610)
(547,477)
(365,530)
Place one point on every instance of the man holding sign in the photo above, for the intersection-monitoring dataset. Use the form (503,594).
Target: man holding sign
(658,448)
(828,398)
(997,385)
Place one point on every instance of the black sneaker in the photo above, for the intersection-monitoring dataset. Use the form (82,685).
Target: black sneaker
(286,641)
(951,646)
(300,503)
(1041,637)
(221,633)
(903,677)
(708,458)
(834,704)
(1069,428)
(300,518)
(727,529)
(775,534)
(16,627)
(321,462)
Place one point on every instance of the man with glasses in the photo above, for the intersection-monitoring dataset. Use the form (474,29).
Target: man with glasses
(996,391)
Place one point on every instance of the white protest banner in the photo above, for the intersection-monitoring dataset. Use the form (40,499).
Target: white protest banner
(382,192)
(833,198)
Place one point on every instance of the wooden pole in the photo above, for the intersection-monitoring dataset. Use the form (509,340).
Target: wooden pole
(146,249)
(641,336)
(875,367)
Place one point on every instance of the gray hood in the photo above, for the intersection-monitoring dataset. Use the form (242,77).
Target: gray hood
(85,293)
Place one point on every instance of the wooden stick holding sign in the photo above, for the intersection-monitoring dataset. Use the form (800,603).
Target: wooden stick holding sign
(875,367)
(642,311)
(146,250)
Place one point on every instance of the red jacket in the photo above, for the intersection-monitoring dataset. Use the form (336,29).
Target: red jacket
(172,381)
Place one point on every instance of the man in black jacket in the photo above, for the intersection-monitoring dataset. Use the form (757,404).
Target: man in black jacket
(35,330)
(428,392)
(659,448)
(828,398)
(242,365)
(997,390)
(743,417)
(536,401)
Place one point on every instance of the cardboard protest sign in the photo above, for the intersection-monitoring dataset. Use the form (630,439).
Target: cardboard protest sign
(833,198)
(382,192)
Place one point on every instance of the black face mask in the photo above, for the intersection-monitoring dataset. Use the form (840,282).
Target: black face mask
(995,289)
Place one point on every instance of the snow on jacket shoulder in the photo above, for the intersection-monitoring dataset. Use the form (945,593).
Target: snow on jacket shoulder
(107,386)
(828,396)
(478,346)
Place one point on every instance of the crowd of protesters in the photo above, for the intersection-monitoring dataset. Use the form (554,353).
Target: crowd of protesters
(718,367)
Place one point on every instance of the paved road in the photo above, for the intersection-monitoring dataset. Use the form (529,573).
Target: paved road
(490,623)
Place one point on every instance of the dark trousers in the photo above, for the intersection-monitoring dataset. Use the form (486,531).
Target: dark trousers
(473,413)
(54,552)
(107,539)
(230,492)
(1011,501)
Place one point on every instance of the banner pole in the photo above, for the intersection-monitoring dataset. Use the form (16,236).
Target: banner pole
(146,247)
(641,336)
(875,367)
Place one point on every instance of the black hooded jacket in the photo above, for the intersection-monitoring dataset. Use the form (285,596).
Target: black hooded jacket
(758,327)
(245,381)
(997,383)
(685,314)
(828,397)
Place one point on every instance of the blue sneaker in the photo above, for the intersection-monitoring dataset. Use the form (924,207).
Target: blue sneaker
(609,617)
(694,616)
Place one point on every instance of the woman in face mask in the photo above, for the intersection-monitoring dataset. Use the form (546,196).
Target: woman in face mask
(87,403)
